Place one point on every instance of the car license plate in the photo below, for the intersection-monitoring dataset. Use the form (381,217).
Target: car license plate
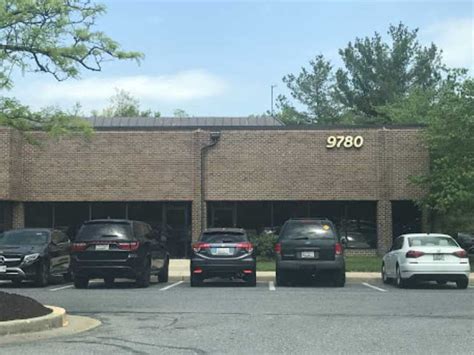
(3,268)
(307,254)
(438,257)
(221,251)
(102,247)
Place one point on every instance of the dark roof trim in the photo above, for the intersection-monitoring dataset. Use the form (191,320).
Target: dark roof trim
(263,128)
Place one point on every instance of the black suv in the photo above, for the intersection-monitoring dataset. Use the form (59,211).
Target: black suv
(223,252)
(310,246)
(34,254)
(113,248)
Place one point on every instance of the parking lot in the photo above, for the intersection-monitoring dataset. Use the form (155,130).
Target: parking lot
(225,317)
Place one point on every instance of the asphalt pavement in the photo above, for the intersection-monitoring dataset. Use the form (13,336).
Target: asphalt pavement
(225,317)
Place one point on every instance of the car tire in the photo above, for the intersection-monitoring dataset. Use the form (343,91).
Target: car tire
(109,281)
(17,282)
(143,279)
(251,280)
(400,282)
(196,281)
(462,284)
(385,278)
(67,277)
(42,274)
(163,275)
(81,282)
(281,278)
(340,278)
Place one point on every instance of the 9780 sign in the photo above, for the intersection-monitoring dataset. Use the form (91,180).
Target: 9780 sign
(344,142)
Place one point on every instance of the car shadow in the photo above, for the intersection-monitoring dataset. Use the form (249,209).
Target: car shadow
(223,282)
(430,285)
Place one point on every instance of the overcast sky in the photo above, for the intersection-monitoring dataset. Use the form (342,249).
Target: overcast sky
(219,58)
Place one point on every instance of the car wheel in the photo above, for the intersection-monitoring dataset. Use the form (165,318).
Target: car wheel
(340,278)
(67,277)
(17,282)
(42,274)
(462,284)
(385,278)
(81,282)
(164,273)
(109,281)
(401,283)
(143,280)
(196,281)
(281,278)
(251,280)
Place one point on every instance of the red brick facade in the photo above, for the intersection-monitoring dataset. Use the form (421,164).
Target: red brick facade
(245,165)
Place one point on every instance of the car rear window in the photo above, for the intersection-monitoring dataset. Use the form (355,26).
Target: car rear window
(431,242)
(97,231)
(307,230)
(223,237)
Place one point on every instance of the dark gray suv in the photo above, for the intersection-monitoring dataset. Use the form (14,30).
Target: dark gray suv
(309,246)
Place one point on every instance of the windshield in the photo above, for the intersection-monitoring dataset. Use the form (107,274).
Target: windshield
(94,231)
(432,242)
(220,237)
(24,238)
(297,230)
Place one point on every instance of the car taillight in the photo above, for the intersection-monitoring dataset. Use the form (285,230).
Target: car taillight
(78,246)
(278,248)
(414,254)
(247,246)
(338,249)
(197,247)
(460,254)
(130,246)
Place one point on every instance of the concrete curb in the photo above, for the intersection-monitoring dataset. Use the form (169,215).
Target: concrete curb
(56,319)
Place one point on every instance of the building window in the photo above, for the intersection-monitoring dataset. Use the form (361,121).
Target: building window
(104,210)
(406,218)
(68,216)
(38,215)
(4,223)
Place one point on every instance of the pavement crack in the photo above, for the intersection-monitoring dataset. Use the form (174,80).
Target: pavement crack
(193,349)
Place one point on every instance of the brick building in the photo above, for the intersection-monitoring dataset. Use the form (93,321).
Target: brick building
(250,173)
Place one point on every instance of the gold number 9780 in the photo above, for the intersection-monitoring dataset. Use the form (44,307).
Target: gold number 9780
(344,141)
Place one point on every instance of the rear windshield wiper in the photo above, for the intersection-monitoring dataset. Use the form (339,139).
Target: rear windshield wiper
(110,236)
(300,238)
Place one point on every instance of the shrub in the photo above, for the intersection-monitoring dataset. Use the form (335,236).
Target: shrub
(264,244)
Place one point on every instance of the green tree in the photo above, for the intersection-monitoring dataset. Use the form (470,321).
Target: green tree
(449,138)
(180,113)
(123,104)
(56,37)
(375,73)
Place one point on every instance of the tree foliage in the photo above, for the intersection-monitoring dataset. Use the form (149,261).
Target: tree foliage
(56,37)
(375,73)
(449,137)
(123,104)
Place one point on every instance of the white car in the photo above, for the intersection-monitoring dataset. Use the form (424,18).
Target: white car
(426,257)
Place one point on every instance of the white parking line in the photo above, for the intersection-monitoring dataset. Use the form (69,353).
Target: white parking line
(374,287)
(271,286)
(61,288)
(172,285)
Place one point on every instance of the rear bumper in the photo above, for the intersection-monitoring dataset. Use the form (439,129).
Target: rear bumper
(338,264)
(223,268)
(435,271)
(129,268)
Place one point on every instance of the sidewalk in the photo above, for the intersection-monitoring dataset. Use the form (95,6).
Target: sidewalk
(179,271)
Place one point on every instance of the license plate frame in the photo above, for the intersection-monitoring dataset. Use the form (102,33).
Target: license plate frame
(102,247)
(222,251)
(306,254)
(3,269)
(438,257)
